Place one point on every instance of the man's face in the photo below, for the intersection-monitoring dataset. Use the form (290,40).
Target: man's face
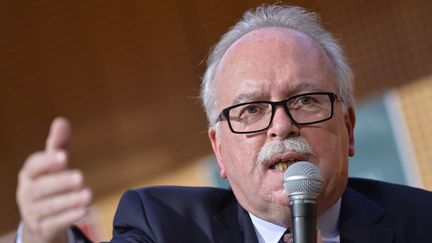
(273,64)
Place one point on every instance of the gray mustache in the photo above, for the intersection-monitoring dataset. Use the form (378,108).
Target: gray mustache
(279,147)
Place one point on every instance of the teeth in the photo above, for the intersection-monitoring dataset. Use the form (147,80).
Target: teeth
(281,166)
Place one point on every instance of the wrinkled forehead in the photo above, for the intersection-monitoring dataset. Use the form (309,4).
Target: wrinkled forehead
(271,62)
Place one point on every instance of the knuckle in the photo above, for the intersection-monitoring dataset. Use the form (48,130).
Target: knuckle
(33,157)
(31,162)
(19,192)
(74,179)
(21,176)
(72,201)
(23,197)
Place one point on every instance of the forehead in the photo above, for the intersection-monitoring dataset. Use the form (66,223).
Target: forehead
(272,63)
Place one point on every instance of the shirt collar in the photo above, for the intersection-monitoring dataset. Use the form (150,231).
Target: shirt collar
(327,224)
(267,231)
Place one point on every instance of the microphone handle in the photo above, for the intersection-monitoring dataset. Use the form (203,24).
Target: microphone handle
(303,219)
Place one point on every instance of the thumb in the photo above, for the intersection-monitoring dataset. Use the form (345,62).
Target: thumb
(59,135)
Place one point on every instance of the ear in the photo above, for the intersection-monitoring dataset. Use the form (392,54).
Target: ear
(350,119)
(215,142)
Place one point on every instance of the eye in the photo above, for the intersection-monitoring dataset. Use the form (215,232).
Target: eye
(306,100)
(251,109)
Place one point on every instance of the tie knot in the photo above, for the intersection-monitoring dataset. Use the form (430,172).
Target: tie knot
(286,237)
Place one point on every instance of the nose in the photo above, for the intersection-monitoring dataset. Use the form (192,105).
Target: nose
(282,126)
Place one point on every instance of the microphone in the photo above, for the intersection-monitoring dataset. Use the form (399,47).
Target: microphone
(302,182)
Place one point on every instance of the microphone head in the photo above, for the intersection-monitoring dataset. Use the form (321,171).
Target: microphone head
(303,178)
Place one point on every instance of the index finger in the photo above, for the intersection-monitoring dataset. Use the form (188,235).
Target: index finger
(59,135)
(41,163)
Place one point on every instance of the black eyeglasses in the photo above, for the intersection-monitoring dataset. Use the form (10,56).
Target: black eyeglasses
(257,116)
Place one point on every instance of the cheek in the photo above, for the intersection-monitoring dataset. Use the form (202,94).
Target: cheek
(239,153)
(331,148)
(331,140)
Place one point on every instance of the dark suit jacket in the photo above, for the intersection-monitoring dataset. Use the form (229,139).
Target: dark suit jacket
(371,212)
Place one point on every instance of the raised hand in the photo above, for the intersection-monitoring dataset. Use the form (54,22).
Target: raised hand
(50,196)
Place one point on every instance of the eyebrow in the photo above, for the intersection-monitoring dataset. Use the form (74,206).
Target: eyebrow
(242,98)
(305,86)
(294,89)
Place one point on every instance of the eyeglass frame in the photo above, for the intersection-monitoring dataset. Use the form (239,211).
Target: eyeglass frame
(224,114)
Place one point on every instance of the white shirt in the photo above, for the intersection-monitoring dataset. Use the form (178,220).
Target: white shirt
(327,223)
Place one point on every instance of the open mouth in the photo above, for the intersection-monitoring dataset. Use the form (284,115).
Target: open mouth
(283,165)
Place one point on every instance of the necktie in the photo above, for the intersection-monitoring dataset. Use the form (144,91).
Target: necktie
(286,237)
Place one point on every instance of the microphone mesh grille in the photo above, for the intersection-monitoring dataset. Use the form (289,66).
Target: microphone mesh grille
(303,178)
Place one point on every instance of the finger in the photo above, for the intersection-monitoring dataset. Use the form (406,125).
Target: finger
(51,207)
(61,221)
(41,163)
(32,235)
(56,183)
(59,204)
(59,135)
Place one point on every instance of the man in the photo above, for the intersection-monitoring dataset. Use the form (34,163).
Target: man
(277,90)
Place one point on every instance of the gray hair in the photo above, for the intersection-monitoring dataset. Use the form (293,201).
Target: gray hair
(295,18)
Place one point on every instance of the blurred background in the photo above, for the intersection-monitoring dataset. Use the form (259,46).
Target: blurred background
(127,76)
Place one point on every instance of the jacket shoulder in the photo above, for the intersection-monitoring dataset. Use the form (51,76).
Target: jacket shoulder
(385,191)
(395,199)
(170,213)
(376,211)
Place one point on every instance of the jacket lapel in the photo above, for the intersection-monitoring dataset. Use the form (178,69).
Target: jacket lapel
(246,226)
(359,220)
(229,230)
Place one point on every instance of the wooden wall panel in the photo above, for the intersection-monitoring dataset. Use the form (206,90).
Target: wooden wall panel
(127,74)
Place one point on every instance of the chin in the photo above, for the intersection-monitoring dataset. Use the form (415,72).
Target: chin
(280,198)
